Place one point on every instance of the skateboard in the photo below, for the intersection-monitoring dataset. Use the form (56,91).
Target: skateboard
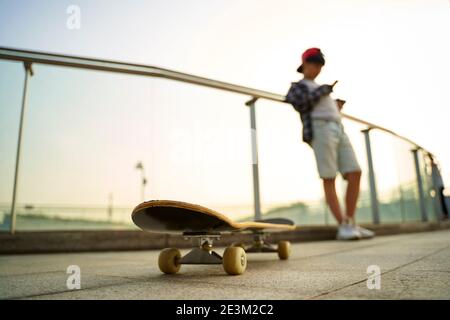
(204,225)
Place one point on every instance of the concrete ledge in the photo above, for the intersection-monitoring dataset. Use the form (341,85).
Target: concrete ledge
(80,241)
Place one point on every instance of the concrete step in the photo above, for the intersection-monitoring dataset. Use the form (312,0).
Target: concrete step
(84,241)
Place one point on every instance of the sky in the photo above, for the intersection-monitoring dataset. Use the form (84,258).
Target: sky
(86,130)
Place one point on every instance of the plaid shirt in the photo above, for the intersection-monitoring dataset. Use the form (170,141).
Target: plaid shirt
(303,100)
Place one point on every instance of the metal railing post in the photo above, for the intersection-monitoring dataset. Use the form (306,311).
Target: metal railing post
(13,214)
(372,184)
(256,196)
(423,211)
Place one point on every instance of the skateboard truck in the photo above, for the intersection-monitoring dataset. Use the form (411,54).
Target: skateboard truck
(234,260)
(260,244)
(203,253)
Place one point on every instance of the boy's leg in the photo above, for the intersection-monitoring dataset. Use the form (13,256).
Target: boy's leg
(351,197)
(332,199)
(351,171)
(325,145)
(352,193)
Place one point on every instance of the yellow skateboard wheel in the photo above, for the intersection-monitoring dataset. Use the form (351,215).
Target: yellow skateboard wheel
(284,250)
(168,260)
(234,260)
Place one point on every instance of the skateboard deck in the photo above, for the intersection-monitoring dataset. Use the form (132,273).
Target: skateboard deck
(177,217)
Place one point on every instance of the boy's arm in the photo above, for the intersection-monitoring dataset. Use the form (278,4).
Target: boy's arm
(302,99)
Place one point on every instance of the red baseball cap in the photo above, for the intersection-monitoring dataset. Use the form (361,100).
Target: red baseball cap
(312,55)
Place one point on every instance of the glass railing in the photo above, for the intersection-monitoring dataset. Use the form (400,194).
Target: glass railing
(291,172)
(86,131)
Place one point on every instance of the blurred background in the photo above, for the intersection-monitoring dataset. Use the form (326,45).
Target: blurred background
(96,144)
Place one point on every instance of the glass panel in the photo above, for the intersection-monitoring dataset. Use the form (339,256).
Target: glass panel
(384,159)
(289,183)
(12,77)
(86,131)
(395,178)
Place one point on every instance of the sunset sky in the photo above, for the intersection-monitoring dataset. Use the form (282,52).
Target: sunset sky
(85,130)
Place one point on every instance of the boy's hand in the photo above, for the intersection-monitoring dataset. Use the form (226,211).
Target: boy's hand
(340,103)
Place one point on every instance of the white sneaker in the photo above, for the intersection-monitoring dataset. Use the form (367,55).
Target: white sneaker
(365,233)
(348,232)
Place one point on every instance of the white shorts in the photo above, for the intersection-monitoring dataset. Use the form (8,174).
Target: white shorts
(333,149)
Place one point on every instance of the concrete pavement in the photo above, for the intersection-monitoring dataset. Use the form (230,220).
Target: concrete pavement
(413,266)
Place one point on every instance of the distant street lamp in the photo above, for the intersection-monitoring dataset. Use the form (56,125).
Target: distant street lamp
(110,207)
(140,166)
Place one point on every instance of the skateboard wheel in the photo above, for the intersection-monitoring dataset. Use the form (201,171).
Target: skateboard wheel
(284,250)
(168,260)
(234,260)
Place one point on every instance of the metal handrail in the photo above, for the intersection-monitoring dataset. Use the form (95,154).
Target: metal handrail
(151,71)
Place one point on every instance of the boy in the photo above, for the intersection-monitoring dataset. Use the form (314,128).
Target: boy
(324,132)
